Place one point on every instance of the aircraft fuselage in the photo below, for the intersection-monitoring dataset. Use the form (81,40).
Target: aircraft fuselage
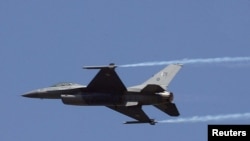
(107,89)
(81,97)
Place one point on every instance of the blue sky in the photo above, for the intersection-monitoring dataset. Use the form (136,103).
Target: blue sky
(44,42)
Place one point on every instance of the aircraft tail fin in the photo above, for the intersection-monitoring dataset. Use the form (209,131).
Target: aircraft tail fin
(164,77)
(160,81)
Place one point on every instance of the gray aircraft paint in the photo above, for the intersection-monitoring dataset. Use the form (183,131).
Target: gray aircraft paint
(106,89)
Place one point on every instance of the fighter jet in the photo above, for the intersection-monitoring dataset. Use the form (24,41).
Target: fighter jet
(107,89)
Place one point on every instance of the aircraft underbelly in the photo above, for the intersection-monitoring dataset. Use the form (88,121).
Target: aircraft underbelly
(142,99)
(92,99)
(100,99)
(121,100)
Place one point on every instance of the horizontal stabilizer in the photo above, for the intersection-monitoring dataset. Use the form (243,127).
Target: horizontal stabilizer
(152,88)
(168,108)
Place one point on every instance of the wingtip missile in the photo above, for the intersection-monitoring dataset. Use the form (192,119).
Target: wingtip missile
(152,122)
(110,66)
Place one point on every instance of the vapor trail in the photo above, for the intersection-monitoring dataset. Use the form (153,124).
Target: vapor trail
(208,118)
(190,61)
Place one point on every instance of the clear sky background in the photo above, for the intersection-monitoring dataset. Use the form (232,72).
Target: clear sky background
(43,42)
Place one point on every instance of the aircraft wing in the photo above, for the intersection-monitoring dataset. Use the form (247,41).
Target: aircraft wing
(135,112)
(106,80)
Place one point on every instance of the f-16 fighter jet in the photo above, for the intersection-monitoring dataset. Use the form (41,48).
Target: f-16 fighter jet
(107,89)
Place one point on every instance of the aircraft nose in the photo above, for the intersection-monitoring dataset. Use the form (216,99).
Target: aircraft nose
(31,95)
